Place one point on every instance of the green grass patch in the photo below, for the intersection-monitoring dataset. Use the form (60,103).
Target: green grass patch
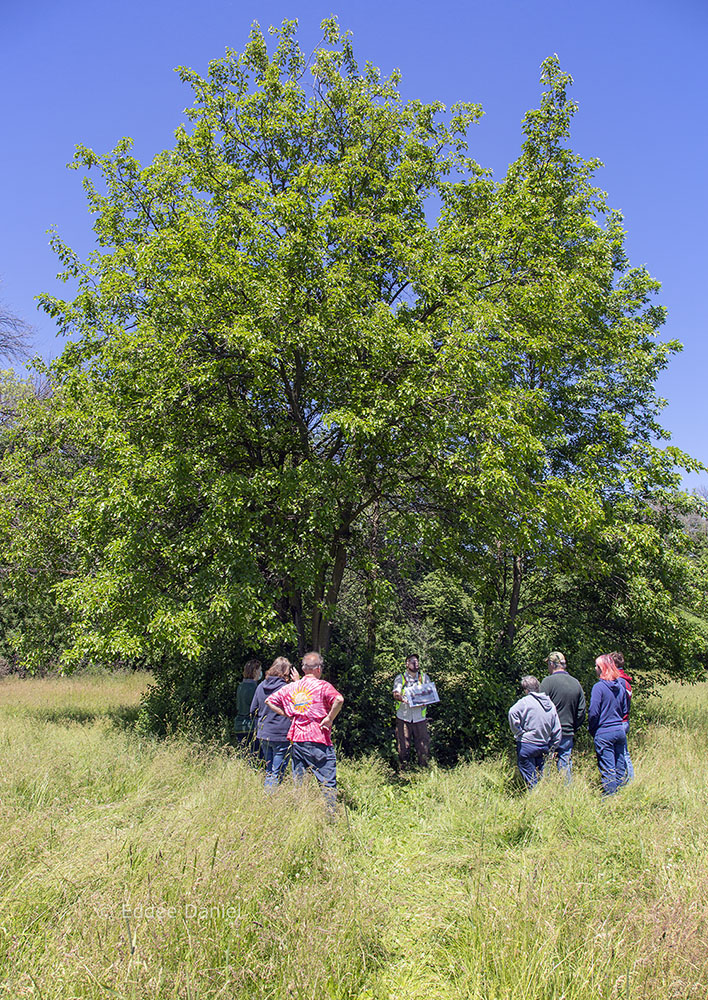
(135,868)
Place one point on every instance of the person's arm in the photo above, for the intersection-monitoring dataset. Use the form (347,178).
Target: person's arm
(557,735)
(595,704)
(275,702)
(624,699)
(333,712)
(582,709)
(515,721)
(256,701)
(398,688)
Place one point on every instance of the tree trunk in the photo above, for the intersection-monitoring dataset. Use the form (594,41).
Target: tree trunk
(323,608)
(509,633)
(370,583)
(299,622)
(316,619)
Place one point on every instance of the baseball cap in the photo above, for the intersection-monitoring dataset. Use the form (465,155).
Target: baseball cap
(555,657)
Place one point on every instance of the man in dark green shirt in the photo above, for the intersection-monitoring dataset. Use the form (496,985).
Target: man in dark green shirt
(568,696)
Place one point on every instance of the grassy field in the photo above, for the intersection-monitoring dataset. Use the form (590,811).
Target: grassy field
(140,869)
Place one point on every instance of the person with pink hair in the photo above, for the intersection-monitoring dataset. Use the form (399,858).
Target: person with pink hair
(608,707)
(624,676)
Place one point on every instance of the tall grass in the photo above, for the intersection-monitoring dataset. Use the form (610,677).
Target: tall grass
(136,869)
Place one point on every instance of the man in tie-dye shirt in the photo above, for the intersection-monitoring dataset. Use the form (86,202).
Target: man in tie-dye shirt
(313,705)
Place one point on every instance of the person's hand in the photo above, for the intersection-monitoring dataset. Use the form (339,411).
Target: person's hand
(326,723)
(294,675)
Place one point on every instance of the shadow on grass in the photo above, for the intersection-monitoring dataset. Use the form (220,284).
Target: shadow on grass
(121,717)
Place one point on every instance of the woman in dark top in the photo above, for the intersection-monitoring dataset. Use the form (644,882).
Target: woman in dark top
(243,723)
(272,728)
(608,706)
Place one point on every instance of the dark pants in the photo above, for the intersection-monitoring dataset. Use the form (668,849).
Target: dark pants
(322,761)
(249,744)
(531,759)
(418,733)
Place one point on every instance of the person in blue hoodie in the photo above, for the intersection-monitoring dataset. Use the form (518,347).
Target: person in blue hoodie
(608,708)
(272,728)
(534,722)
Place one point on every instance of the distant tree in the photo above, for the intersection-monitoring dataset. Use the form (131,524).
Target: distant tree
(697,544)
(14,336)
(34,538)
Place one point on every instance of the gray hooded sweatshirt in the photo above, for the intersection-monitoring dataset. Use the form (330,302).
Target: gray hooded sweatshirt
(534,719)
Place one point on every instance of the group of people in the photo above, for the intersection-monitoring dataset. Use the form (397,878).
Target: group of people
(548,716)
(291,717)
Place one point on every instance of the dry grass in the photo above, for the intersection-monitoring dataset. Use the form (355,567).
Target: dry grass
(80,698)
(138,869)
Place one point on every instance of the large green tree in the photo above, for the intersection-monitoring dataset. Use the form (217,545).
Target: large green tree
(315,335)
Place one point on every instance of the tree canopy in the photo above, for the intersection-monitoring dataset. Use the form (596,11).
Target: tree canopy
(318,351)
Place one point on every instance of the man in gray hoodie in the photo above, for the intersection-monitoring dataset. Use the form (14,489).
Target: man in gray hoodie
(534,722)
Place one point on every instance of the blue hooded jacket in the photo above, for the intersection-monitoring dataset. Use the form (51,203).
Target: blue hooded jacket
(608,707)
(271,726)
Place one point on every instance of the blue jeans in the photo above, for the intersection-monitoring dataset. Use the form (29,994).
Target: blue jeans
(276,754)
(322,761)
(611,748)
(531,760)
(563,752)
(627,758)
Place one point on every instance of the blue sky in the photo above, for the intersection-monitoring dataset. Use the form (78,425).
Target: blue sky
(77,71)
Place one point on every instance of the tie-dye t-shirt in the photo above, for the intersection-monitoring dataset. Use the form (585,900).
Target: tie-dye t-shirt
(306,702)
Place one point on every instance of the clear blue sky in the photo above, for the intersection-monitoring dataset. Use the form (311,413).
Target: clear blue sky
(78,71)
